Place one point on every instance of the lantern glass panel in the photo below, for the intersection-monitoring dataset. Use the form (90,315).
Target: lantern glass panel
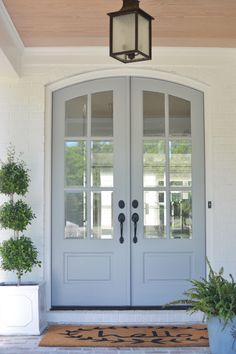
(123,33)
(143,34)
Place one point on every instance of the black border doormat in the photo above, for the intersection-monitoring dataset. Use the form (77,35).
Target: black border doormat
(126,336)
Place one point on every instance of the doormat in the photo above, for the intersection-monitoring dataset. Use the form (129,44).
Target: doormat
(125,336)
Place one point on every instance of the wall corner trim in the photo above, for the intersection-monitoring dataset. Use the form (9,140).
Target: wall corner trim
(10,43)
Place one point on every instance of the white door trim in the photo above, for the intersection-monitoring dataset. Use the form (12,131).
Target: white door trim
(92,75)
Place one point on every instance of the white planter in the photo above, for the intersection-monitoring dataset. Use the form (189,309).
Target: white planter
(22,309)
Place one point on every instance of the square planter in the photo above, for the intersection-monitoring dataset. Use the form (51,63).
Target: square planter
(22,309)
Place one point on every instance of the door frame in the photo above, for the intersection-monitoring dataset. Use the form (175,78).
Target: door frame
(109,73)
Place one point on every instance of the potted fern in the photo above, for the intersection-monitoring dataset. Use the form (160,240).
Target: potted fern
(215,297)
(20,309)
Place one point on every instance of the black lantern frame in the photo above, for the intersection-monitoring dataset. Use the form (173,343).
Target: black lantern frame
(133,54)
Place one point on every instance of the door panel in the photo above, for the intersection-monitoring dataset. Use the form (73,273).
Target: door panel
(89,264)
(167,164)
(128,200)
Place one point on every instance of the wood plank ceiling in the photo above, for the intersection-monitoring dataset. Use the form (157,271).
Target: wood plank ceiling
(206,23)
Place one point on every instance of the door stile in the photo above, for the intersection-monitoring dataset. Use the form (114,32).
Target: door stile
(198,175)
(122,180)
(167,164)
(136,185)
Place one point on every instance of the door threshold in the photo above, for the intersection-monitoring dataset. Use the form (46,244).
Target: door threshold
(118,308)
(120,316)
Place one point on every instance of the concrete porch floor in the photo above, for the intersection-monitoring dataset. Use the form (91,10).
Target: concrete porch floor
(29,345)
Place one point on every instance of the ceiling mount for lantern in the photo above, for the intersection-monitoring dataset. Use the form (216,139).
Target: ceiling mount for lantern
(130,33)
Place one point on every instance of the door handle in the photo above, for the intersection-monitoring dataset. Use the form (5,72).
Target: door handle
(135,219)
(121,219)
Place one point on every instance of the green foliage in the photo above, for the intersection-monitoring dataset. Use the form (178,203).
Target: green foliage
(75,164)
(19,255)
(215,296)
(182,147)
(15,215)
(14,176)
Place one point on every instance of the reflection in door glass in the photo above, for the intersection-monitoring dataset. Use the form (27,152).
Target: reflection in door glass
(154,163)
(181,214)
(154,214)
(101,215)
(76,117)
(75,215)
(75,163)
(180,116)
(180,162)
(153,113)
(102,114)
(102,164)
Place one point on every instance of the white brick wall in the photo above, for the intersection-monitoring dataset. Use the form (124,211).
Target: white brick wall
(22,114)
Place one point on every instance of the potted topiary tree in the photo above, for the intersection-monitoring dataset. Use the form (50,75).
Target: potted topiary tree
(215,297)
(21,307)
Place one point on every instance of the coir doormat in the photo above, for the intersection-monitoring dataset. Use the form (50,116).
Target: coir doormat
(125,336)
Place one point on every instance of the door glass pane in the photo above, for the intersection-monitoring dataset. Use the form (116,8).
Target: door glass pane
(75,215)
(154,163)
(153,113)
(180,116)
(76,117)
(154,214)
(180,162)
(75,163)
(102,114)
(181,215)
(101,215)
(102,164)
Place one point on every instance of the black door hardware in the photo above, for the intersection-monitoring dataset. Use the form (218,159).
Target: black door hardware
(121,204)
(121,219)
(135,204)
(135,219)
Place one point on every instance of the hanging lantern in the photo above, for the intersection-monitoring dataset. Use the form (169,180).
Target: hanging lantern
(130,33)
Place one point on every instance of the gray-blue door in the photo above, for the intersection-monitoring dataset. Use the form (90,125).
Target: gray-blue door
(128,204)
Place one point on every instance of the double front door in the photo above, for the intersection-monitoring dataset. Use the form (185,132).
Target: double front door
(128,203)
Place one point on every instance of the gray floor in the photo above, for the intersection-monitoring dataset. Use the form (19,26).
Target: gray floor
(29,345)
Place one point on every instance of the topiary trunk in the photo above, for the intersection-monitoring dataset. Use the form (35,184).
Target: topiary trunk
(18,279)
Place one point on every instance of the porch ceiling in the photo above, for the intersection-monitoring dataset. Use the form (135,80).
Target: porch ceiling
(193,23)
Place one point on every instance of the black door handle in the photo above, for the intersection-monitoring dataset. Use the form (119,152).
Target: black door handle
(121,219)
(135,219)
